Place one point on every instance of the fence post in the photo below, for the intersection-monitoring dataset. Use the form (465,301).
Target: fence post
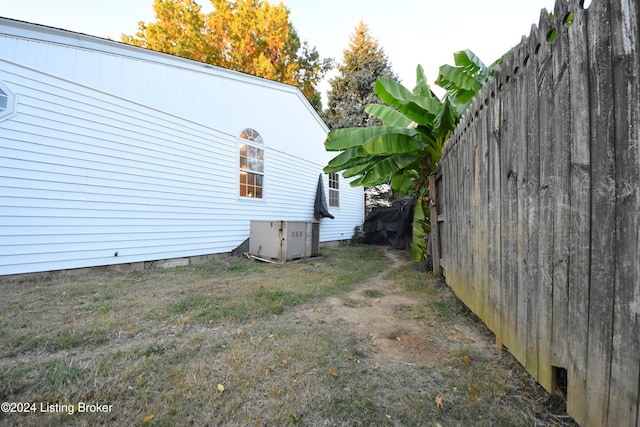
(435,230)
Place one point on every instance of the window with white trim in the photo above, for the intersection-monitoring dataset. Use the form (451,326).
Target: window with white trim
(334,190)
(251,151)
(7,102)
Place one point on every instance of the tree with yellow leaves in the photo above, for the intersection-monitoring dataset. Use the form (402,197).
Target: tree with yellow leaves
(251,36)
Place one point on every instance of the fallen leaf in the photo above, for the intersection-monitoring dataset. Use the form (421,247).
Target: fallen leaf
(269,370)
(221,388)
(284,362)
(473,389)
(334,372)
(467,360)
(139,377)
(129,326)
(296,384)
(148,418)
(474,401)
(439,401)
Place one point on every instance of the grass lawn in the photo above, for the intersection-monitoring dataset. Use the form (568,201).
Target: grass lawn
(358,337)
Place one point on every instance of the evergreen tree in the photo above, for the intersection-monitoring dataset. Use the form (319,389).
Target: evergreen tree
(352,90)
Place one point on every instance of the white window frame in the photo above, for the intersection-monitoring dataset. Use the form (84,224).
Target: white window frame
(7,103)
(250,177)
(334,190)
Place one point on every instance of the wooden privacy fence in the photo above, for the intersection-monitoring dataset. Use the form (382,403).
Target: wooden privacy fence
(538,207)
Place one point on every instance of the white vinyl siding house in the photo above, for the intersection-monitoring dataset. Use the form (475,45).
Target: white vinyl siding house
(113,154)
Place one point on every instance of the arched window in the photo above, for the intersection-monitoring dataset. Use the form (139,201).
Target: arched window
(7,102)
(251,152)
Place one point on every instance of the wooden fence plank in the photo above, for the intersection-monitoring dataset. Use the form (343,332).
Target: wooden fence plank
(560,193)
(625,359)
(532,186)
(483,204)
(545,252)
(508,151)
(602,212)
(434,235)
(580,221)
(474,259)
(494,169)
(522,200)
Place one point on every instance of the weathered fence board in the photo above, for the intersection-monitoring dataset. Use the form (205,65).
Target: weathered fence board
(523,228)
(538,200)
(495,249)
(580,221)
(532,183)
(602,212)
(625,360)
(545,229)
(560,203)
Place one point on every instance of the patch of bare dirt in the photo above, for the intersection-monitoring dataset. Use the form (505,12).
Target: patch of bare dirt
(379,314)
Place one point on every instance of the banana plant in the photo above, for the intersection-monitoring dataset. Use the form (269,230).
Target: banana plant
(407,148)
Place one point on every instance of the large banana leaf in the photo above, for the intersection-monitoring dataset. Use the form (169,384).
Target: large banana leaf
(344,139)
(382,170)
(465,80)
(358,169)
(446,121)
(392,92)
(347,159)
(391,143)
(422,87)
(469,61)
(402,182)
(457,77)
(389,115)
(419,108)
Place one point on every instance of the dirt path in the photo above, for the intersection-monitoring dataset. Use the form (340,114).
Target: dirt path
(400,329)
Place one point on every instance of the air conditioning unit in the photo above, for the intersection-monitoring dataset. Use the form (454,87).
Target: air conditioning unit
(284,240)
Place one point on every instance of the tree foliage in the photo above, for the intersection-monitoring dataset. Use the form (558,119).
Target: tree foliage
(406,149)
(251,36)
(353,88)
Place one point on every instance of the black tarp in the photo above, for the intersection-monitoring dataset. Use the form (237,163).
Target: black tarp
(320,209)
(389,226)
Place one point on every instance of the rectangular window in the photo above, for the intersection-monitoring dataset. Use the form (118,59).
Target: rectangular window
(334,190)
(251,171)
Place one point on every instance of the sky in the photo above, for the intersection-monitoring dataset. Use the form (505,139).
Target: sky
(411,32)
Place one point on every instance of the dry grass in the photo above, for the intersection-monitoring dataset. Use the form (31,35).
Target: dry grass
(236,342)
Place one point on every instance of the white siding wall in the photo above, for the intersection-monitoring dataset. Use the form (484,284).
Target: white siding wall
(119,154)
